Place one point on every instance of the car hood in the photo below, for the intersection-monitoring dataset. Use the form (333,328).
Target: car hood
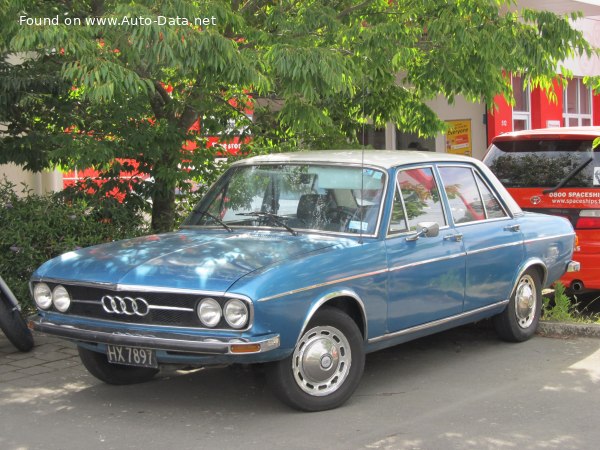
(188,259)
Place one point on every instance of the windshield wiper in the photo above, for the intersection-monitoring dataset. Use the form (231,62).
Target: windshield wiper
(566,179)
(277,220)
(215,218)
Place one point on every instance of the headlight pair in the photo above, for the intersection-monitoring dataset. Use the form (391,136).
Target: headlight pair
(235,312)
(45,297)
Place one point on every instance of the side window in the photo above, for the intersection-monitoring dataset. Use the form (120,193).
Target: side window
(463,194)
(493,208)
(421,197)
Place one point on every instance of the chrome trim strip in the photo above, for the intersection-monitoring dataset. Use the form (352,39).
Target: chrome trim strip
(427,261)
(545,238)
(435,323)
(332,295)
(170,308)
(327,283)
(161,307)
(133,287)
(159,341)
(494,247)
(355,277)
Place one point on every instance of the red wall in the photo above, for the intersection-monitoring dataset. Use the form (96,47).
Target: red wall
(499,120)
(543,110)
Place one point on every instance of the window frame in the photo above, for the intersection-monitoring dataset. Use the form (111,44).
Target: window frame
(578,115)
(522,115)
(474,173)
(437,181)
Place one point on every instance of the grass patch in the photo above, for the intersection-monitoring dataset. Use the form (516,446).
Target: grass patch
(561,307)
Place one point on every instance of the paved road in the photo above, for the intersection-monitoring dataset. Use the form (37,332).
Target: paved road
(458,390)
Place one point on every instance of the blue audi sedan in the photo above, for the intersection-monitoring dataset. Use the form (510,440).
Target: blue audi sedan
(305,262)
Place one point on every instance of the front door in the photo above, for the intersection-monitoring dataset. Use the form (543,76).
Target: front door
(427,275)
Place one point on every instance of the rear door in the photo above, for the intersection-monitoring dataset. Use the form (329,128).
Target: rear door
(492,239)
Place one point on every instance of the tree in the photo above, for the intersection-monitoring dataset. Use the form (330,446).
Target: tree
(127,79)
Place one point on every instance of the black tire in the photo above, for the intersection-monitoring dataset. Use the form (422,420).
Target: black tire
(335,341)
(97,364)
(15,327)
(520,319)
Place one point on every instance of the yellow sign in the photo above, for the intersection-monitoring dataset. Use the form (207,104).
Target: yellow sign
(458,137)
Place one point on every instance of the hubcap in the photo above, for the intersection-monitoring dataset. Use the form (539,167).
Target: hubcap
(525,301)
(321,361)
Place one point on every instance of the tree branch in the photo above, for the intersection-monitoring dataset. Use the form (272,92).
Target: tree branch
(351,9)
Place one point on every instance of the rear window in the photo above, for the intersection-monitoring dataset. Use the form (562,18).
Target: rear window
(544,163)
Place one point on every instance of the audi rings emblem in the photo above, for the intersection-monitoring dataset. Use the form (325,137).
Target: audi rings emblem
(128,306)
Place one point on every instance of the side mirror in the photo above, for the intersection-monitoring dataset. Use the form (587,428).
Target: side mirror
(427,229)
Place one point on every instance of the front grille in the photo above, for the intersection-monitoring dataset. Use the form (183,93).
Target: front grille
(87,302)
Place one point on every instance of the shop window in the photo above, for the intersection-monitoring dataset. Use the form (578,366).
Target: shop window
(522,107)
(577,104)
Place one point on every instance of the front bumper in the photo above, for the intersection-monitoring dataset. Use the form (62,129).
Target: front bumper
(160,340)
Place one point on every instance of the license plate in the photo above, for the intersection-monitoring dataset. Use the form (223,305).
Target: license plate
(131,356)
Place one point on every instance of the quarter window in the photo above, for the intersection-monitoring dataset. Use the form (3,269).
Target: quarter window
(417,199)
(492,206)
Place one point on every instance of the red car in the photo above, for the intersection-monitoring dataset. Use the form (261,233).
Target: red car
(556,171)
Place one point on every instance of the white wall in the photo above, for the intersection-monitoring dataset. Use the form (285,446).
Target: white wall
(462,110)
(38,182)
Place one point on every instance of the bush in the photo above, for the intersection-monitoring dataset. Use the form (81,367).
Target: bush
(37,228)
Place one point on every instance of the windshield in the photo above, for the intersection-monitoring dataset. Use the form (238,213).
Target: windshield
(544,163)
(302,197)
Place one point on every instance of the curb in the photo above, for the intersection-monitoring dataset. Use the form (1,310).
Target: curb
(591,330)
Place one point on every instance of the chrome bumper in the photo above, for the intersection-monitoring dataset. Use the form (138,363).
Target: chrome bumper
(159,340)
(573,266)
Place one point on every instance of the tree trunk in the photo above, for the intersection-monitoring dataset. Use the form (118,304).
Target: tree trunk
(163,194)
(163,207)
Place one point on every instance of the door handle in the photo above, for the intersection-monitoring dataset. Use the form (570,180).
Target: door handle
(513,228)
(453,237)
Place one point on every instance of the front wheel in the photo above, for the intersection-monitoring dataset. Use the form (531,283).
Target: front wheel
(14,327)
(97,364)
(520,319)
(325,367)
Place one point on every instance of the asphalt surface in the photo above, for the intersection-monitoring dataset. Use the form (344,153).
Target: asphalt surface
(461,389)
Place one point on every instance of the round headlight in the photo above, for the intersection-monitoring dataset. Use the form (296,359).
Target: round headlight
(236,313)
(61,298)
(209,312)
(42,295)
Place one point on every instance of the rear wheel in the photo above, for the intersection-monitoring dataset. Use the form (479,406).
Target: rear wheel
(97,364)
(325,367)
(519,320)
(14,327)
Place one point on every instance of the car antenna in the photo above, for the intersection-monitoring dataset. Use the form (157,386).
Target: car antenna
(362,166)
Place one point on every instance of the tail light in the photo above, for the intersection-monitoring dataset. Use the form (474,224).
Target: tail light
(588,219)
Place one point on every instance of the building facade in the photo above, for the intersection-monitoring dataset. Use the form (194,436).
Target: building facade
(471,126)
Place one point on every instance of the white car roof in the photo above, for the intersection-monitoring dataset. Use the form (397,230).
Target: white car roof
(384,159)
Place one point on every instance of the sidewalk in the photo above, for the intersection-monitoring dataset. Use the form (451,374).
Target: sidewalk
(49,355)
